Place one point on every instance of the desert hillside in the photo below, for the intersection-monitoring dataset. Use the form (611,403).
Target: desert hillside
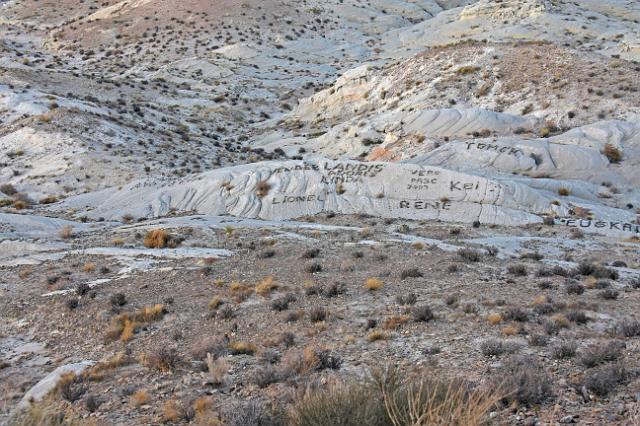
(338,212)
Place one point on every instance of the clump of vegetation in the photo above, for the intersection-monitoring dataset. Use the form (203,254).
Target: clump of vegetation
(242,348)
(494,318)
(574,287)
(160,238)
(598,354)
(376,335)
(602,380)
(523,380)
(517,270)
(373,284)
(407,399)
(564,350)
(613,154)
(628,328)
(266,286)
(410,273)
(125,325)
(139,397)
(317,314)
(406,299)
(262,188)
(470,255)
(422,313)
(163,359)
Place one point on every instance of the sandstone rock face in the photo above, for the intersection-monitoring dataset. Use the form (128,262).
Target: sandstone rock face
(46,385)
(290,189)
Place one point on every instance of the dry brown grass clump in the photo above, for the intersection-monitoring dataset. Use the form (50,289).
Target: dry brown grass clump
(494,318)
(564,191)
(376,335)
(612,153)
(218,369)
(266,286)
(66,232)
(424,399)
(242,348)
(156,238)
(373,284)
(240,292)
(139,398)
(89,267)
(97,372)
(395,322)
(124,325)
(262,188)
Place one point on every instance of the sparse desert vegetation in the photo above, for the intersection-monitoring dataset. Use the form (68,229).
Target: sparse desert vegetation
(335,212)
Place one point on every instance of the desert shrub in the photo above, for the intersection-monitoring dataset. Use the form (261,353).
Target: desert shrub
(600,354)
(545,285)
(564,350)
(494,318)
(574,287)
(515,313)
(226,312)
(313,268)
(82,289)
(538,340)
(118,300)
(282,303)
(317,314)
(388,396)
(159,238)
(422,313)
(628,328)
(70,387)
(524,380)
(469,255)
(8,189)
(373,284)
(496,347)
(266,286)
(252,412)
(517,270)
(163,359)
(376,335)
(123,326)
(269,356)
(452,300)
(395,322)
(242,348)
(410,273)
(265,376)
(214,345)
(579,317)
(602,380)
(609,294)
(544,271)
(613,154)
(406,299)
(544,308)
(311,253)
(333,290)
(262,188)
(72,303)
(597,271)
(66,232)
(266,254)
